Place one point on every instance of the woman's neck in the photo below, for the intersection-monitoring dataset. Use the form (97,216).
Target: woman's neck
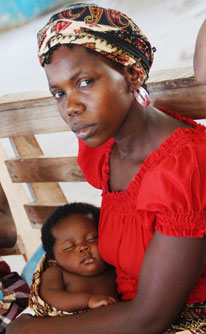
(143,131)
(136,133)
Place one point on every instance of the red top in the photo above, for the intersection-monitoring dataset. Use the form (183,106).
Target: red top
(168,194)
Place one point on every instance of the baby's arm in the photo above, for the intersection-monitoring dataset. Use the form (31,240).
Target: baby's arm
(52,291)
(96,301)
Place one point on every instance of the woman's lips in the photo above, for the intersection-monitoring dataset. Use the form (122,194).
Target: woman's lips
(84,131)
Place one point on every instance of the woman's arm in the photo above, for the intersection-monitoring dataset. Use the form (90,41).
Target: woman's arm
(200,55)
(171,267)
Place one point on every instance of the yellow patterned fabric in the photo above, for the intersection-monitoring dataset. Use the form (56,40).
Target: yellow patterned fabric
(40,307)
(106,31)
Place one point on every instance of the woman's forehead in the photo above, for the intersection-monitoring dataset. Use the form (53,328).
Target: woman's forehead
(74,60)
(75,53)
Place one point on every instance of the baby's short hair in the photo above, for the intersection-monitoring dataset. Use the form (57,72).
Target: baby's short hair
(60,213)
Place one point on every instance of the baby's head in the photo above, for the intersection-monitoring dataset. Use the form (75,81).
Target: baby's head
(70,239)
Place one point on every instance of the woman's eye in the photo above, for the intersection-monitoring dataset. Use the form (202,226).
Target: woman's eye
(58,95)
(85,82)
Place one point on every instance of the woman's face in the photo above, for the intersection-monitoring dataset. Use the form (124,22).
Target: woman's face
(92,94)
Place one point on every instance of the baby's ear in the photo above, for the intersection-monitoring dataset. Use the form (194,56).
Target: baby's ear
(135,79)
(52,263)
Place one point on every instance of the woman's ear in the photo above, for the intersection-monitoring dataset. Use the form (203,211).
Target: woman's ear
(135,79)
(52,263)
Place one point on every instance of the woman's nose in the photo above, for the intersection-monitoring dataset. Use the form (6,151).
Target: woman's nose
(74,106)
(74,111)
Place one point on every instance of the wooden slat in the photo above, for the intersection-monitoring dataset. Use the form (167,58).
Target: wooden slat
(40,169)
(26,116)
(17,197)
(50,192)
(173,84)
(23,118)
(38,213)
(184,96)
(25,96)
(155,76)
(168,74)
(27,146)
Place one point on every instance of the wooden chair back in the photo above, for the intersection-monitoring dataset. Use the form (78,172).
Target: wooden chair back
(25,115)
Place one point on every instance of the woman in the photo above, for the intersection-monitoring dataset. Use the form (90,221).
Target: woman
(150,165)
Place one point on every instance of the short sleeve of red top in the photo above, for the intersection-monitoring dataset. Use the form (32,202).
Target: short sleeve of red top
(168,194)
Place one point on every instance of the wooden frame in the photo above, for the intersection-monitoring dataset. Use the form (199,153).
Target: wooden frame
(25,115)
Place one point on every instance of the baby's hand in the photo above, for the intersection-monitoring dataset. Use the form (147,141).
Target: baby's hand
(96,301)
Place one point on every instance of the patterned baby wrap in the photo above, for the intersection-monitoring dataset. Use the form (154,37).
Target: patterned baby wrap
(40,307)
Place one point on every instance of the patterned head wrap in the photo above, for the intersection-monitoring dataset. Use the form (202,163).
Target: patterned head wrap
(106,31)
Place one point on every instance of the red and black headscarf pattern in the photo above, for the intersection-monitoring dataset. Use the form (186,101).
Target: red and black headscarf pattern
(106,31)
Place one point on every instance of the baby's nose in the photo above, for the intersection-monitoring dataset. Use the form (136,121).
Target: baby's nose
(84,248)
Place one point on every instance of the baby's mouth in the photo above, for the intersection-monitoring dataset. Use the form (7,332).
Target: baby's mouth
(88,260)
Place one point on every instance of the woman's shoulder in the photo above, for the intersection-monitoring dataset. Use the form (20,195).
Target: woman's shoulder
(180,153)
(190,131)
(183,143)
(174,184)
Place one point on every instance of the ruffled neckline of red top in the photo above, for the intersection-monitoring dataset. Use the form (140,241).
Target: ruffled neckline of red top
(152,159)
